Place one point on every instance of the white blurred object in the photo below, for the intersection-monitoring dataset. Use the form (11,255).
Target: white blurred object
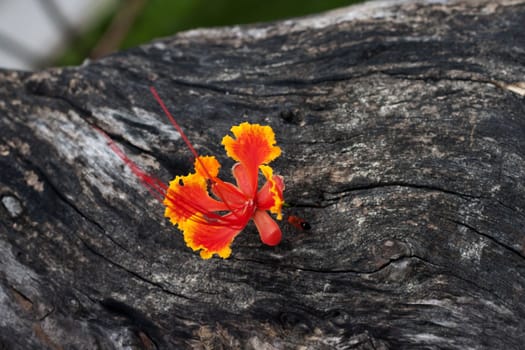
(34,31)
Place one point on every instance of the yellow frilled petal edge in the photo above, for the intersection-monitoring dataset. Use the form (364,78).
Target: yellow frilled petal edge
(193,184)
(223,253)
(188,195)
(209,239)
(276,193)
(253,145)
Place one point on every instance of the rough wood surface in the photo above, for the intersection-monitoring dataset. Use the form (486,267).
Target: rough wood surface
(402,125)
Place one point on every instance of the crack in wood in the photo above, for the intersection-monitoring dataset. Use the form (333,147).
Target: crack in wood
(73,206)
(349,191)
(489,237)
(133,273)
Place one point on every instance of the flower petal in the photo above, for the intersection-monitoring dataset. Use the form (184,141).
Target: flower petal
(253,145)
(246,180)
(269,231)
(213,237)
(207,166)
(187,196)
(230,194)
(270,196)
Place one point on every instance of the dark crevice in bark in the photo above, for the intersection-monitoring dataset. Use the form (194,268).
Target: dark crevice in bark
(62,197)
(349,271)
(471,281)
(88,117)
(506,247)
(132,273)
(348,191)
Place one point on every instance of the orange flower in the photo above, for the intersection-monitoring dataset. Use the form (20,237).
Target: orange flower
(210,222)
(211,212)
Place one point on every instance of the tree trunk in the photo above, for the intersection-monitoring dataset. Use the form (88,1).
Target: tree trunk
(402,126)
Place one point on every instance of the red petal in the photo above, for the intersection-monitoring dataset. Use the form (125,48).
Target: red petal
(265,197)
(187,196)
(213,237)
(253,145)
(230,194)
(269,231)
(246,179)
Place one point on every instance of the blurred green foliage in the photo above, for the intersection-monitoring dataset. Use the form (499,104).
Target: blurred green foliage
(165,17)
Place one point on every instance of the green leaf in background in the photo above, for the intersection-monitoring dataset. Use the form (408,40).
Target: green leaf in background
(158,18)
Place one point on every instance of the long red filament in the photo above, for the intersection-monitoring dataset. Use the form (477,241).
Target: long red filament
(173,122)
(186,207)
(182,134)
(155,186)
(190,146)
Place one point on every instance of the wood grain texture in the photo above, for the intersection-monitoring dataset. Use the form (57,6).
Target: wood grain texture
(402,126)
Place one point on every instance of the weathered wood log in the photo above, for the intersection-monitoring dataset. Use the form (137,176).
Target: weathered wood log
(402,125)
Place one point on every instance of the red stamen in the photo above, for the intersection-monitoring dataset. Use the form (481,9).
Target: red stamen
(173,122)
(155,186)
(186,207)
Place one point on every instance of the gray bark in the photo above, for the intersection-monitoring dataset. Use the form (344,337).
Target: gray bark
(402,125)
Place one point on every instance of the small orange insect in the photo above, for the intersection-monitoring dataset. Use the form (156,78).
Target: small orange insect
(298,222)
